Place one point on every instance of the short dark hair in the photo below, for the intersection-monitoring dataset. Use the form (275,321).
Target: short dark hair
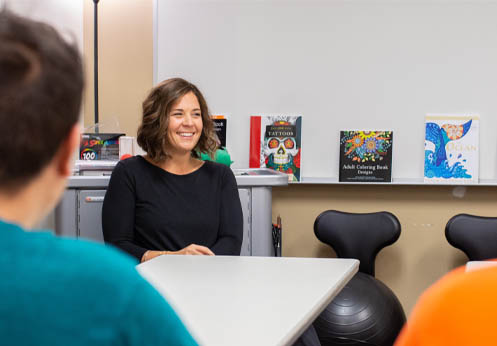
(152,133)
(41,83)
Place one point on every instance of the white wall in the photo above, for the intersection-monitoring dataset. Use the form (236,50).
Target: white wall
(65,15)
(342,64)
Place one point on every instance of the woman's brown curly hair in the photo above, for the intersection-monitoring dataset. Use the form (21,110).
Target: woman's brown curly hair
(152,133)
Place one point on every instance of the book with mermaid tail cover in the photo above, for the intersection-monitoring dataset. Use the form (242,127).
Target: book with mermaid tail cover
(451,149)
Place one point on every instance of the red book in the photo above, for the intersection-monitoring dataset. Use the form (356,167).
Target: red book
(275,142)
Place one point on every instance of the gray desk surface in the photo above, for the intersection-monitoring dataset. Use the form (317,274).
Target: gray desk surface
(241,301)
(244,177)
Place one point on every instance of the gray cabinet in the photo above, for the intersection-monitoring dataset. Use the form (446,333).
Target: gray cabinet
(247,221)
(89,216)
(79,212)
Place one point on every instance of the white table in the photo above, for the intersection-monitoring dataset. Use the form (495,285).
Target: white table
(226,300)
(473,265)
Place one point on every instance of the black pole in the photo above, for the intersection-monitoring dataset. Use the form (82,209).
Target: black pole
(95,60)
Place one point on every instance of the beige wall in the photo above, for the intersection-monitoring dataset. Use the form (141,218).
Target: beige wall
(420,256)
(125,61)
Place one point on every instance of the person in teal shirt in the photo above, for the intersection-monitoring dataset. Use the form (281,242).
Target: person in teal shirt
(57,291)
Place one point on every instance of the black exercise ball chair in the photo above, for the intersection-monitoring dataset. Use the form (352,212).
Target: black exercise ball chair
(475,235)
(366,311)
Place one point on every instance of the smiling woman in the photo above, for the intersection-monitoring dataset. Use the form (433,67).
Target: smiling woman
(185,125)
(169,201)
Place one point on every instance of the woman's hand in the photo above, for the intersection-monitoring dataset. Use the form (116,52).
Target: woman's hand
(193,249)
(149,254)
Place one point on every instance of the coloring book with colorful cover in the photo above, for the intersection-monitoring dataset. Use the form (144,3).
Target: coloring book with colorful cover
(365,156)
(276,143)
(451,149)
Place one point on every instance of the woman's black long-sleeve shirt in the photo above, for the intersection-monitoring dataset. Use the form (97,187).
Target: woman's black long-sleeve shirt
(148,208)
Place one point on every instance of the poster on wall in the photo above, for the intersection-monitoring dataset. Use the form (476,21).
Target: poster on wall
(451,149)
(276,143)
(365,156)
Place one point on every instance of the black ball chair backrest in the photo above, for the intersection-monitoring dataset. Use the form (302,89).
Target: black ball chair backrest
(475,235)
(366,311)
(357,235)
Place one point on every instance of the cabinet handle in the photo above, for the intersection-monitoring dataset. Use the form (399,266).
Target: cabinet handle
(94,199)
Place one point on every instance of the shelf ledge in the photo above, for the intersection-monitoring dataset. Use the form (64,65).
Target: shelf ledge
(395,181)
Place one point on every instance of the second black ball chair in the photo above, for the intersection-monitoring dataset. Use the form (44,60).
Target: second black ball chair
(475,235)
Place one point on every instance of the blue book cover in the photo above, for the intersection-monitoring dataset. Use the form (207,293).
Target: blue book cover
(451,149)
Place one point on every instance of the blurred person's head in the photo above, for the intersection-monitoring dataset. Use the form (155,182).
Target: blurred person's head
(41,83)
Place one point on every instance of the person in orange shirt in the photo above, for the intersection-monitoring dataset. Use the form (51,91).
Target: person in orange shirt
(459,309)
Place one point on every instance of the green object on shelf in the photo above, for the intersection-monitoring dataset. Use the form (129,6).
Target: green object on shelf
(221,156)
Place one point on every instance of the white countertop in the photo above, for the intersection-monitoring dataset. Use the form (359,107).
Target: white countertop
(226,300)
